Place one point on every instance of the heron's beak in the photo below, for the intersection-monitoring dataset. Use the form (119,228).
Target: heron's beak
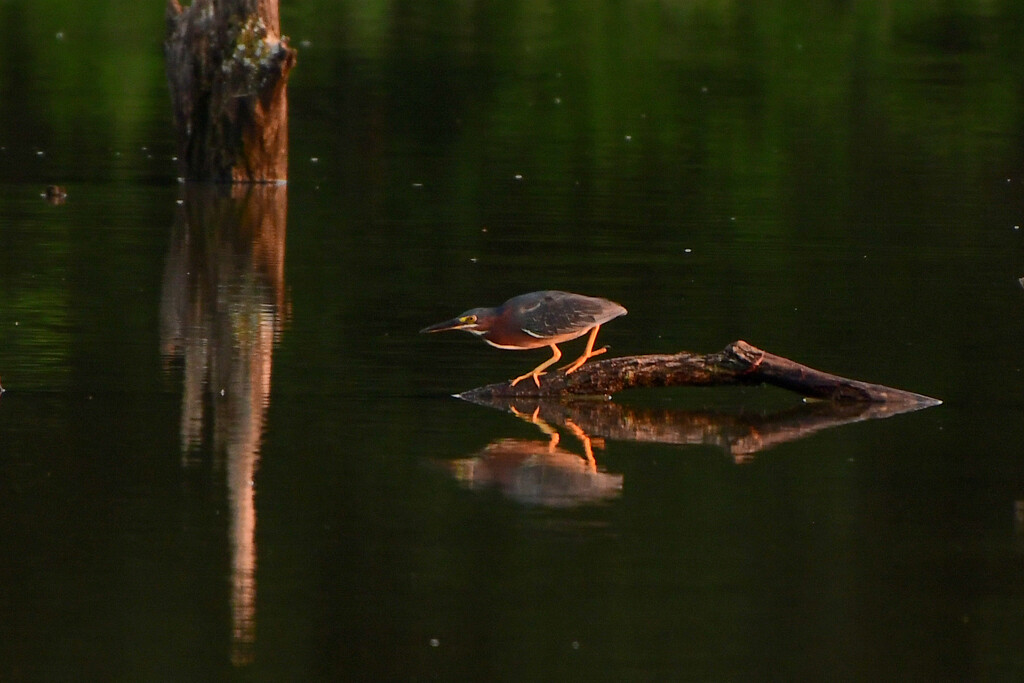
(453,324)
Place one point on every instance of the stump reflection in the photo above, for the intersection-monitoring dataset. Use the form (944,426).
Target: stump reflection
(222,310)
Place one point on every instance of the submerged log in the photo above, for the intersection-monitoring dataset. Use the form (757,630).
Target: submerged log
(227,68)
(739,363)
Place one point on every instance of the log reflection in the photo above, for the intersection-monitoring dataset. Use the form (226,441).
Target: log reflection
(741,436)
(222,309)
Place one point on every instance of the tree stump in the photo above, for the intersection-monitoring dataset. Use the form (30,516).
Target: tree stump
(227,68)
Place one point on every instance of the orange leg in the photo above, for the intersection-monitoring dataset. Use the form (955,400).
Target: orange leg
(538,371)
(588,449)
(588,352)
(541,424)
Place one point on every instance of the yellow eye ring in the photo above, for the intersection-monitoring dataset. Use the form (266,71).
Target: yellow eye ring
(467,319)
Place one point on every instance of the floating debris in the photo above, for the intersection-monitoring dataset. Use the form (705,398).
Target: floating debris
(55,194)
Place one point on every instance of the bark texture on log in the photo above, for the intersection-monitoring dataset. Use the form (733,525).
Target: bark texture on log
(737,363)
(227,68)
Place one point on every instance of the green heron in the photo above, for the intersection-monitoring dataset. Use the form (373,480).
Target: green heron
(530,321)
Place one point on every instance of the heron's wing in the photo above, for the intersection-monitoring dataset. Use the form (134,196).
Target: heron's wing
(560,313)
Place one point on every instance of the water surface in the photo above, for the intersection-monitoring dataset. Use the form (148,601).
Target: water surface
(227,453)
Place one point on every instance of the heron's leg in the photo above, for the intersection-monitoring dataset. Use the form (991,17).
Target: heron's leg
(539,370)
(588,352)
(588,447)
(535,418)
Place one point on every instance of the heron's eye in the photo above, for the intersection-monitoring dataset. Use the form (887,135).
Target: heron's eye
(467,319)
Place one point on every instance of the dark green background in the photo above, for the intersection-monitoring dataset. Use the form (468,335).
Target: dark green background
(838,183)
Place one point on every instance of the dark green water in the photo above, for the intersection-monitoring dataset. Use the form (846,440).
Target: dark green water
(226,453)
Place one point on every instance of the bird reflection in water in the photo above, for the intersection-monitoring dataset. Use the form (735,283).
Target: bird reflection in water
(536,472)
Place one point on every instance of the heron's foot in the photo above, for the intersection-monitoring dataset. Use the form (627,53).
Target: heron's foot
(576,364)
(535,375)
